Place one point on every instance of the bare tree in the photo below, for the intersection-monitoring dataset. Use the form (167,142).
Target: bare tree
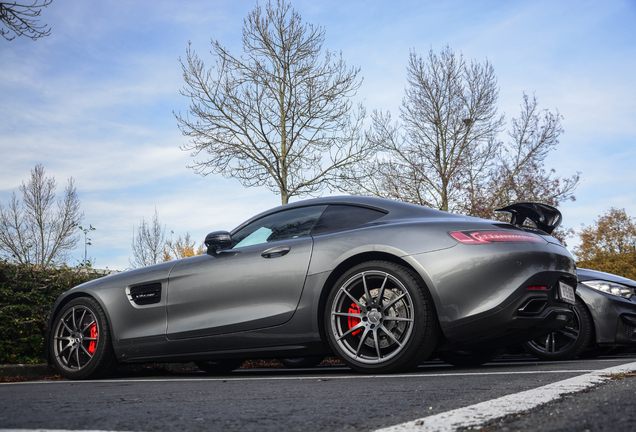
(446,154)
(40,230)
(519,173)
(149,244)
(448,135)
(20,18)
(280,114)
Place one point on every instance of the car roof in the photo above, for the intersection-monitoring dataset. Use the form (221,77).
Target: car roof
(388,205)
(395,209)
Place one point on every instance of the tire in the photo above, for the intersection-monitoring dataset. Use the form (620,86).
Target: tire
(568,342)
(219,367)
(80,341)
(469,358)
(379,318)
(301,362)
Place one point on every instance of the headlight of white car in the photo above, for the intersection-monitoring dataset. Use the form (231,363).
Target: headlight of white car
(612,288)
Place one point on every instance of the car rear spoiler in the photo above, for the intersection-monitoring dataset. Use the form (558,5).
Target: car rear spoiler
(544,217)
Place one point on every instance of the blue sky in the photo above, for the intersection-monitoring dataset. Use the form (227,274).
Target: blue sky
(94,100)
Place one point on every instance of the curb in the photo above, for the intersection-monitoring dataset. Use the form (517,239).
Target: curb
(32,371)
(43,370)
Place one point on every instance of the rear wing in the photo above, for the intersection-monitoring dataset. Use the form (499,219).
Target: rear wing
(544,217)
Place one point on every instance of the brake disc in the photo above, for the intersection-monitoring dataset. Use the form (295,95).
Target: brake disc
(398,309)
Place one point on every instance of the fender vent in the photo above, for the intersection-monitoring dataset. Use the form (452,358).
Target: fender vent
(146,294)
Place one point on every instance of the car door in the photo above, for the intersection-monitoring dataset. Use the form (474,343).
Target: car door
(255,284)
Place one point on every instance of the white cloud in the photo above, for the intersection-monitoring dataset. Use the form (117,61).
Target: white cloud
(94,100)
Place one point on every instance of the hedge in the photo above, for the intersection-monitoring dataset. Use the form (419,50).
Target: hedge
(27,295)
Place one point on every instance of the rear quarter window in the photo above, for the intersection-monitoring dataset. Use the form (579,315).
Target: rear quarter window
(343,217)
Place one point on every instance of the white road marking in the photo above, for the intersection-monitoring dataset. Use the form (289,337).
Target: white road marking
(481,413)
(203,377)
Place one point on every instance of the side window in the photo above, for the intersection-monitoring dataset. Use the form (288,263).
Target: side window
(283,225)
(341,217)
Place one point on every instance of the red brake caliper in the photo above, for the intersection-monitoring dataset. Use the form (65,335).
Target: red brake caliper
(353,321)
(93,344)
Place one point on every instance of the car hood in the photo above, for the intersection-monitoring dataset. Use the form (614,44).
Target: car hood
(130,277)
(586,275)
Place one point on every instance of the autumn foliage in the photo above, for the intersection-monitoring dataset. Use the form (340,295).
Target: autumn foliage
(609,244)
(182,248)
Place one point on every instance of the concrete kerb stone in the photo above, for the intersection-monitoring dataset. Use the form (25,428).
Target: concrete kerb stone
(43,370)
(31,371)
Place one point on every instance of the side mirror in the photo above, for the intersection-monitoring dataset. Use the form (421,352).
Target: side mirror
(217,240)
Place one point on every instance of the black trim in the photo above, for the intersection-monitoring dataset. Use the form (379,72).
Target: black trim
(544,217)
(146,294)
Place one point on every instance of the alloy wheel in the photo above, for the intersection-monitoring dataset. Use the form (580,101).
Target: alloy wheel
(76,337)
(372,317)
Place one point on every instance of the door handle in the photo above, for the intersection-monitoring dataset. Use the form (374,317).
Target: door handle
(276,252)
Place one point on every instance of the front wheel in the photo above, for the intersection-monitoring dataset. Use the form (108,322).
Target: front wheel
(80,341)
(567,342)
(380,318)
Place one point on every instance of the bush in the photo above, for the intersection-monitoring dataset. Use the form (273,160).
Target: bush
(27,295)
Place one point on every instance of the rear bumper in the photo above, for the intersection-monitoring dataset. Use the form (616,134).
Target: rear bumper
(525,315)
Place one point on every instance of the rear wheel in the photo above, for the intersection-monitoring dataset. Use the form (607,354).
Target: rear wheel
(567,342)
(80,343)
(380,318)
(219,367)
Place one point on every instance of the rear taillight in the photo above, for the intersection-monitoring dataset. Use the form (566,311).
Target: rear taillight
(495,236)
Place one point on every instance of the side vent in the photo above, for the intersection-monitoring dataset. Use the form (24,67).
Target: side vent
(146,294)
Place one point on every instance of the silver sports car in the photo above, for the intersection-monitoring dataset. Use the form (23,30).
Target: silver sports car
(380,284)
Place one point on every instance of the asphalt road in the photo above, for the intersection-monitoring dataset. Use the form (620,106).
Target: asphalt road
(321,399)
(609,407)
